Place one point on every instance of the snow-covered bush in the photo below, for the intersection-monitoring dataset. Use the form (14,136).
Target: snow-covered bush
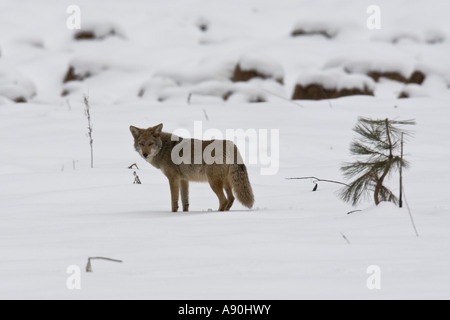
(417,77)
(330,84)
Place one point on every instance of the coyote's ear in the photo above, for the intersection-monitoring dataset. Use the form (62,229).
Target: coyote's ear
(135,131)
(157,130)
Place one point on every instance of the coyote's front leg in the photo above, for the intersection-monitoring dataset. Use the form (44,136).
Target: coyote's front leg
(175,192)
(185,195)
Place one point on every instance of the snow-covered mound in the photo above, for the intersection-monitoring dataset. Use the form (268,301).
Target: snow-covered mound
(98,31)
(330,84)
(413,91)
(326,28)
(250,67)
(394,69)
(399,36)
(15,86)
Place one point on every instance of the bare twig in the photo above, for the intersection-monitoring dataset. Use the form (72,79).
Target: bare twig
(206,115)
(315,180)
(354,211)
(410,213)
(68,104)
(400,198)
(87,112)
(345,238)
(283,98)
(136,178)
(133,165)
(328,99)
(89,265)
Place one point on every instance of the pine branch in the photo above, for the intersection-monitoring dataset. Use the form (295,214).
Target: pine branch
(379,187)
(375,130)
(359,149)
(359,189)
(356,168)
(386,195)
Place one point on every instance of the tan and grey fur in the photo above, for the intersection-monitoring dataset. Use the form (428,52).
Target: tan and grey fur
(228,175)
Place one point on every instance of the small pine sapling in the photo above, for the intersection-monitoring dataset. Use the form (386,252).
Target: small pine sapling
(377,148)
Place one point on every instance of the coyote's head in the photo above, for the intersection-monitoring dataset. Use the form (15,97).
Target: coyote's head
(147,141)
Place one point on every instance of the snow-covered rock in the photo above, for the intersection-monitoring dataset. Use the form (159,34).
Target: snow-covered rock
(15,86)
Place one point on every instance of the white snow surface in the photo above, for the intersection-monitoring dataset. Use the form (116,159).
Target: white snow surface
(55,211)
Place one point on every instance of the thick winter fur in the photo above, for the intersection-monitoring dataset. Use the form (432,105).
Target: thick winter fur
(224,177)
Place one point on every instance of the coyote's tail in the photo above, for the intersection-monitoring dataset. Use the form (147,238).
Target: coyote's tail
(241,185)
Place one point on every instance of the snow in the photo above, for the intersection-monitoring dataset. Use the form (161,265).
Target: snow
(414,90)
(56,211)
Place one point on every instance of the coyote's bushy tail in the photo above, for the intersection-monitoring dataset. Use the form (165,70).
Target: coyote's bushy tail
(241,185)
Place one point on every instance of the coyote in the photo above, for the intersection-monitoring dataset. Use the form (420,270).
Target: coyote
(221,166)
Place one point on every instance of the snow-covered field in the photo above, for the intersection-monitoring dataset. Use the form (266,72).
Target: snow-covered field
(159,66)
